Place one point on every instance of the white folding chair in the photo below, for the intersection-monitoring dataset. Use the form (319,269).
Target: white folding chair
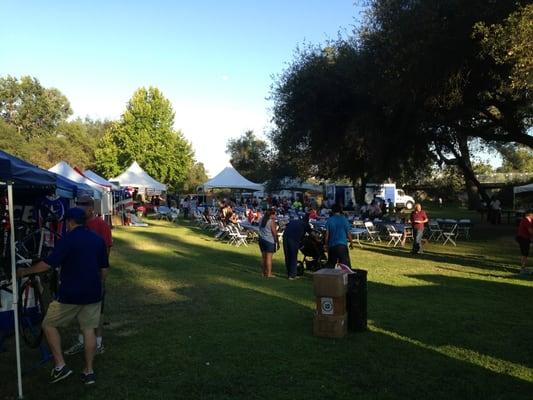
(450,235)
(407,234)
(372,232)
(394,236)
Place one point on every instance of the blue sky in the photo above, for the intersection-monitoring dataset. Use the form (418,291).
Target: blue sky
(213,59)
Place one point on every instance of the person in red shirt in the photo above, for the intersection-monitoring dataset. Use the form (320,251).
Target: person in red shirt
(312,213)
(523,237)
(97,225)
(418,219)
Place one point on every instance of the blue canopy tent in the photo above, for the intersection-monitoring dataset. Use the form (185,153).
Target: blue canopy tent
(27,176)
(19,174)
(23,174)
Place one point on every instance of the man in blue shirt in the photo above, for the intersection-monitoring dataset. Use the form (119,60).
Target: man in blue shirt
(81,257)
(338,229)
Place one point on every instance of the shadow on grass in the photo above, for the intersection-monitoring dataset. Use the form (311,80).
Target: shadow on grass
(229,334)
(445,301)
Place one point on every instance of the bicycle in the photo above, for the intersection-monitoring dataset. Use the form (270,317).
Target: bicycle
(31,307)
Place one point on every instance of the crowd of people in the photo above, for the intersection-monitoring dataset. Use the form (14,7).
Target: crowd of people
(82,257)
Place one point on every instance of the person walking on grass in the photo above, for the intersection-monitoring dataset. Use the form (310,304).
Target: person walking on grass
(523,237)
(101,228)
(81,257)
(268,241)
(418,219)
(338,230)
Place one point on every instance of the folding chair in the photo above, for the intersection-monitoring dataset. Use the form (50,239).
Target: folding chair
(463,228)
(394,236)
(449,235)
(372,232)
(162,212)
(407,234)
(435,232)
(173,215)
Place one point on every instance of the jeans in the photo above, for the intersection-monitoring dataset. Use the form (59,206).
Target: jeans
(417,243)
(338,254)
(290,249)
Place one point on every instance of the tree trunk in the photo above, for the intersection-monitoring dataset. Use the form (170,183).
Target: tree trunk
(473,187)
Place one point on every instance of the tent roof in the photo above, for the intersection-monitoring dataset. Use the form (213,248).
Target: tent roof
(137,177)
(524,188)
(229,178)
(24,173)
(83,184)
(99,180)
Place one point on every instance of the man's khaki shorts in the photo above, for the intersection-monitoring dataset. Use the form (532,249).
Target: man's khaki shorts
(60,314)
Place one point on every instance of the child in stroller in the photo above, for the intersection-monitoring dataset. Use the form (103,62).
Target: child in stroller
(312,247)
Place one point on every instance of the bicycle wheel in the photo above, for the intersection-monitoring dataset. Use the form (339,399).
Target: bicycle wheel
(31,313)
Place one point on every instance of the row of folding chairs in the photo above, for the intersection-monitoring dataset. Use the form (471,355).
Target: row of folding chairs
(233,234)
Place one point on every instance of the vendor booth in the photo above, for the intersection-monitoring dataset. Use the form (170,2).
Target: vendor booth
(136,177)
(19,180)
(84,185)
(107,191)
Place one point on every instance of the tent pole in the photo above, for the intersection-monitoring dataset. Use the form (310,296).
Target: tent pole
(14,284)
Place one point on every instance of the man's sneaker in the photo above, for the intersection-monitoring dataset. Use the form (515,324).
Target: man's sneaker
(75,349)
(100,349)
(56,376)
(88,379)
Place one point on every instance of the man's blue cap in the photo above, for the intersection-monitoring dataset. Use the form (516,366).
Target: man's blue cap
(75,213)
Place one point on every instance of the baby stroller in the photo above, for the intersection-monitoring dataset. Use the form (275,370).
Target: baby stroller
(312,247)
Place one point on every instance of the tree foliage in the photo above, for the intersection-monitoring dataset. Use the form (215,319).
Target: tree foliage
(511,43)
(516,159)
(33,109)
(250,156)
(145,134)
(329,123)
(416,80)
(197,176)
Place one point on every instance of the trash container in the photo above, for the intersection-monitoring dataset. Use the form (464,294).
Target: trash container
(356,300)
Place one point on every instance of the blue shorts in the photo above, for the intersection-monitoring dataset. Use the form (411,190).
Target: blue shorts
(266,246)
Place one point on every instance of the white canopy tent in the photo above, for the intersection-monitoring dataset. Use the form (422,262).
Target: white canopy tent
(135,176)
(100,180)
(63,169)
(229,178)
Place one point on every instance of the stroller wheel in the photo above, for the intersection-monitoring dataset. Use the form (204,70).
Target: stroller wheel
(312,265)
(299,268)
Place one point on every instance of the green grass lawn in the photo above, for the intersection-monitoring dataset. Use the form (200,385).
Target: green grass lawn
(191,318)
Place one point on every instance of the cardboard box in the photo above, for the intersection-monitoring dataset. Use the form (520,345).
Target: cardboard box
(331,306)
(330,326)
(330,282)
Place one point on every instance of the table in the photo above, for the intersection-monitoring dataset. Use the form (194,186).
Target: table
(357,232)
